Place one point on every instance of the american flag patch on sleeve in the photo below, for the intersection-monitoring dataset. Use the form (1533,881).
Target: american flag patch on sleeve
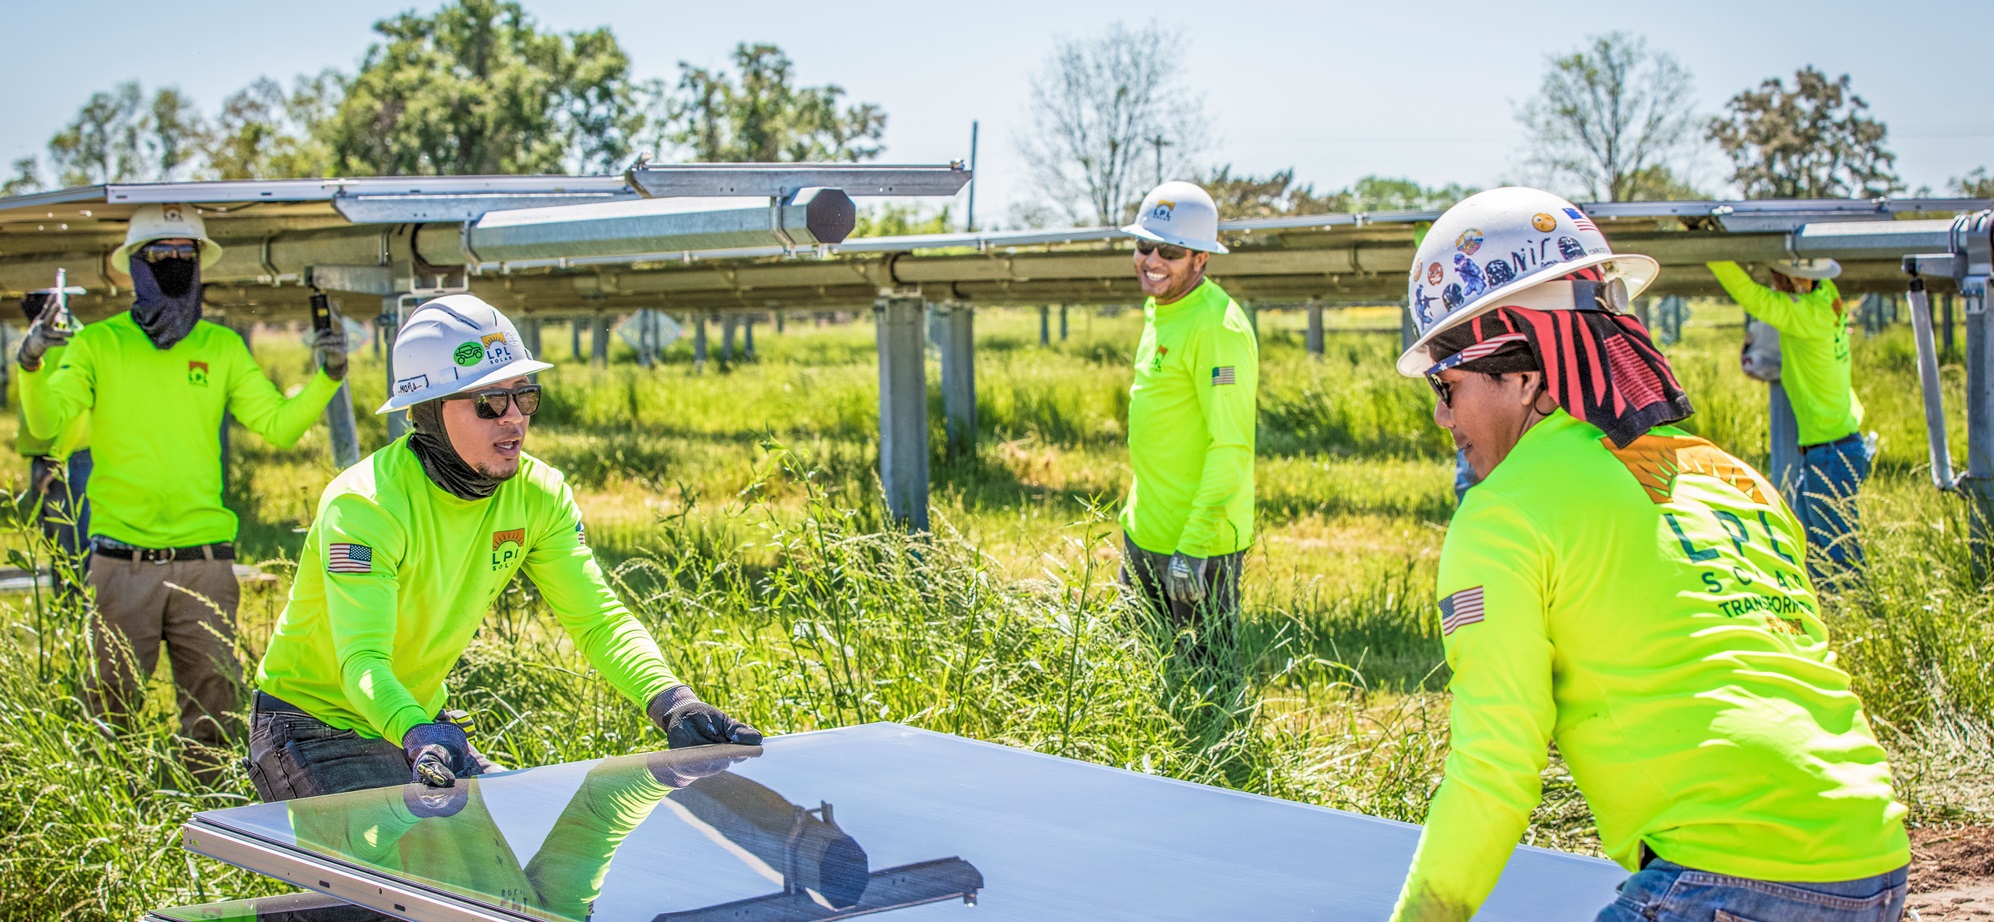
(1222,375)
(1460,609)
(349,558)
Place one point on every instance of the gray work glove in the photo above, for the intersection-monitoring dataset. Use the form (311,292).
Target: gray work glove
(1184,579)
(329,350)
(43,335)
(438,752)
(688,721)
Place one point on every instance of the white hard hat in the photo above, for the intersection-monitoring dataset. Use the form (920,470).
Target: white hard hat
(165,222)
(1496,245)
(1816,269)
(454,344)
(1178,213)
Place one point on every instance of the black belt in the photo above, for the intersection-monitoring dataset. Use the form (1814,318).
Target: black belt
(221,550)
(271,704)
(1844,440)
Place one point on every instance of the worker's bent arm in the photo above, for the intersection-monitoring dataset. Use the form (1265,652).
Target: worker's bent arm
(60,392)
(1810,315)
(261,408)
(1492,567)
(361,608)
(560,563)
(1225,364)
(616,797)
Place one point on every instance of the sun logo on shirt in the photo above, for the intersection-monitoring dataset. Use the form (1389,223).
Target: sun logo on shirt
(507,545)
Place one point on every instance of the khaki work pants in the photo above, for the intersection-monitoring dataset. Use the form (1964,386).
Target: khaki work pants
(189,605)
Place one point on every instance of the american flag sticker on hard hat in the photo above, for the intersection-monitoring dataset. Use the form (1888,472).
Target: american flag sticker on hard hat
(1460,610)
(349,558)
(1222,375)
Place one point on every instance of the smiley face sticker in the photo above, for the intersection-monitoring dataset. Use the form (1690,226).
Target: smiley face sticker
(1544,223)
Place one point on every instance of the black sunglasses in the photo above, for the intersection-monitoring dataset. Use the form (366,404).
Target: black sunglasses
(154,252)
(1171,253)
(494,403)
(1442,390)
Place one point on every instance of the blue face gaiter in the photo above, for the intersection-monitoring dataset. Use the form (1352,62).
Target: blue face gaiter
(167,300)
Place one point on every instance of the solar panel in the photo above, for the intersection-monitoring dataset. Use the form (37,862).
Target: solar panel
(840,823)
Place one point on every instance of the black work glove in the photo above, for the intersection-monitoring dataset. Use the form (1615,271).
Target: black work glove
(1184,579)
(44,334)
(688,721)
(329,348)
(438,753)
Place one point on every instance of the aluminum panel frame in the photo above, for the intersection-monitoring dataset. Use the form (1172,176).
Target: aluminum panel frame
(359,887)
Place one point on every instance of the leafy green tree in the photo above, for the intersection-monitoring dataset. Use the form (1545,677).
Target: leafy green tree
(759,115)
(1975,184)
(1606,113)
(265,132)
(477,87)
(27,178)
(1384,193)
(894,220)
(1811,141)
(122,135)
(1247,196)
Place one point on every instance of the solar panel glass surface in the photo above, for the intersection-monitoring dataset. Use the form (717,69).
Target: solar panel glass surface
(880,817)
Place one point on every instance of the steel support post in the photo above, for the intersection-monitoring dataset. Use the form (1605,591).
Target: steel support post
(386,326)
(529,335)
(1784,431)
(1045,325)
(730,325)
(599,339)
(778,321)
(903,408)
(958,348)
(1945,328)
(340,429)
(575,339)
(1978,484)
(698,342)
(1062,323)
(1408,334)
(748,337)
(1315,328)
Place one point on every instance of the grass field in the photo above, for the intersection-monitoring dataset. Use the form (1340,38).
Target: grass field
(738,509)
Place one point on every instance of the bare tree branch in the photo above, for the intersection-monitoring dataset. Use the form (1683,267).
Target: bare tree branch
(1608,115)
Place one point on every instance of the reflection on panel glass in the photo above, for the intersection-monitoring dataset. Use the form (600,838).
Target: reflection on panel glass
(296,907)
(840,823)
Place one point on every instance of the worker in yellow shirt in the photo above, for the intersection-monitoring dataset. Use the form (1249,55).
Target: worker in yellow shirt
(1803,304)
(157,381)
(1633,594)
(1192,407)
(401,565)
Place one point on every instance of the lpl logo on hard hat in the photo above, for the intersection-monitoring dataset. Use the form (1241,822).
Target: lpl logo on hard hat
(497,352)
(1164,208)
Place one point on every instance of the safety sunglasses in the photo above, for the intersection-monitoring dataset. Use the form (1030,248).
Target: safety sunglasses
(154,252)
(494,403)
(1442,390)
(1168,252)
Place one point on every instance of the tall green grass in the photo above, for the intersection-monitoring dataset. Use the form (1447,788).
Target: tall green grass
(739,514)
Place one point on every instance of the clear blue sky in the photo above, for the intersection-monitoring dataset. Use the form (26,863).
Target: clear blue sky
(1336,90)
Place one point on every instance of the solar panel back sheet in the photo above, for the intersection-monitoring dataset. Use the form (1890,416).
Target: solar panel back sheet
(840,823)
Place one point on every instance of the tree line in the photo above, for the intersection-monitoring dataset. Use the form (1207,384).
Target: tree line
(1614,120)
(475,87)
(478,87)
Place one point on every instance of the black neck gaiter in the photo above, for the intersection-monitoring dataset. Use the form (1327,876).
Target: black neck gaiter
(431,444)
(168,299)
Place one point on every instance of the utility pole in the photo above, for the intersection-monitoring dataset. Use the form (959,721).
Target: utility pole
(972,177)
(1159,142)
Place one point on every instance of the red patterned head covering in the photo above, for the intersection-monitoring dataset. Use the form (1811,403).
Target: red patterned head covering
(1599,363)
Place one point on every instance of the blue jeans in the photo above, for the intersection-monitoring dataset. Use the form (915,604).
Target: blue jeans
(1830,476)
(1668,892)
